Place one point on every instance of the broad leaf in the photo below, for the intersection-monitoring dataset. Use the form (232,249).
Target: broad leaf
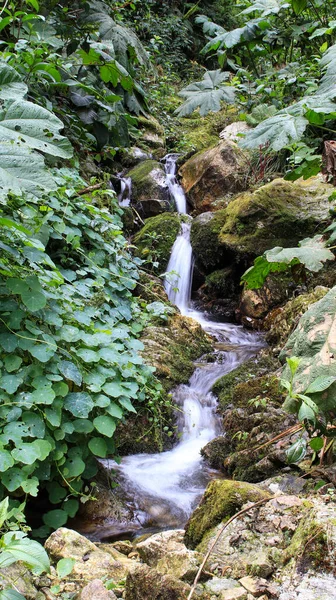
(276,132)
(266,7)
(64,567)
(35,126)
(229,39)
(297,451)
(22,170)
(11,84)
(206,95)
(79,404)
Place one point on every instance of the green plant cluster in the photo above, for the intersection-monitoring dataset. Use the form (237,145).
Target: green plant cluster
(68,335)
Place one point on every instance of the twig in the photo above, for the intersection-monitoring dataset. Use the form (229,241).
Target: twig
(90,188)
(236,516)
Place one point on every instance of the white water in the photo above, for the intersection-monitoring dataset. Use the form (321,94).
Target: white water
(175,189)
(125,194)
(165,487)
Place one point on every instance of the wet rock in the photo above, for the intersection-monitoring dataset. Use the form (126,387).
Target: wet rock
(213,174)
(133,156)
(123,546)
(257,303)
(155,240)
(150,192)
(96,590)
(220,501)
(91,562)
(167,552)
(144,583)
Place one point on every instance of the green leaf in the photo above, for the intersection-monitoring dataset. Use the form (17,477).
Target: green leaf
(29,453)
(297,451)
(12,363)
(105,425)
(30,553)
(299,6)
(35,424)
(71,506)
(316,444)
(35,126)
(114,389)
(11,84)
(10,383)
(89,356)
(126,403)
(33,300)
(70,371)
(22,170)
(320,384)
(11,595)
(43,352)
(43,395)
(206,95)
(64,567)
(79,404)
(276,132)
(114,410)
(3,510)
(13,479)
(55,518)
(73,467)
(98,447)
(83,426)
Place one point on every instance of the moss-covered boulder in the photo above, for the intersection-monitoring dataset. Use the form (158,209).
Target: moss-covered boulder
(145,583)
(155,240)
(214,174)
(280,213)
(150,192)
(221,500)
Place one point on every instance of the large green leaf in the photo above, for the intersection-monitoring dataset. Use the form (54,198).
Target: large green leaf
(314,343)
(11,84)
(276,132)
(311,252)
(207,94)
(36,127)
(266,7)
(79,404)
(232,38)
(28,551)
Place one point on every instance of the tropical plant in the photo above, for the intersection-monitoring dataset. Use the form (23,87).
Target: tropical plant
(207,95)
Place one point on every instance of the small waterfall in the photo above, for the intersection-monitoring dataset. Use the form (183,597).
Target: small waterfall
(175,189)
(180,267)
(164,488)
(125,195)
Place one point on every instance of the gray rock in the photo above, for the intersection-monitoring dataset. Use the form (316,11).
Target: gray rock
(96,590)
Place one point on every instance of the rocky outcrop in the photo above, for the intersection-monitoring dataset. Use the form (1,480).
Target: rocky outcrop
(214,175)
(155,240)
(152,136)
(150,193)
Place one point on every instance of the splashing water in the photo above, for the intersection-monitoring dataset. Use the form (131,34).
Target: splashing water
(125,195)
(175,189)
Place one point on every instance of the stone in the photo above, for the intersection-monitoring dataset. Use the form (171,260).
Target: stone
(258,586)
(214,173)
(129,157)
(17,574)
(167,552)
(261,566)
(237,593)
(150,193)
(96,590)
(152,136)
(221,500)
(233,131)
(258,303)
(91,562)
(145,583)
(217,585)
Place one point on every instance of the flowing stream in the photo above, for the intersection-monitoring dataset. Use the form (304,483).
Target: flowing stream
(165,487)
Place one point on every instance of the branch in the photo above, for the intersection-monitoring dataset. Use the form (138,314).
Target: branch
(90,188)
(236,516)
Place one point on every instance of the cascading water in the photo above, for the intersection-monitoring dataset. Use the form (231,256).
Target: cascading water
(165,487)
(125,195)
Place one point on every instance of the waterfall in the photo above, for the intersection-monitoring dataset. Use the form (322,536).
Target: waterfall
(175,189)
(164,488)
(125,195)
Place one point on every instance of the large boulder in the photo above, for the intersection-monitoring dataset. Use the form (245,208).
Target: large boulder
(214,174)
(150,193)
(221,500)
(280,213)
(155,240)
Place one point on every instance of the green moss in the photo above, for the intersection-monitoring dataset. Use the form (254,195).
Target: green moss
(202,132)
(308,546)
(252,375)
(221,283)
(205,241)
(155,240)
(142,183)
(222,499)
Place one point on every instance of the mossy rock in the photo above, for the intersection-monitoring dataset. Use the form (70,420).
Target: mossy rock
(277,214)
(149,188)
(155,240)
(221,283)
(205,242)
(222,499)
